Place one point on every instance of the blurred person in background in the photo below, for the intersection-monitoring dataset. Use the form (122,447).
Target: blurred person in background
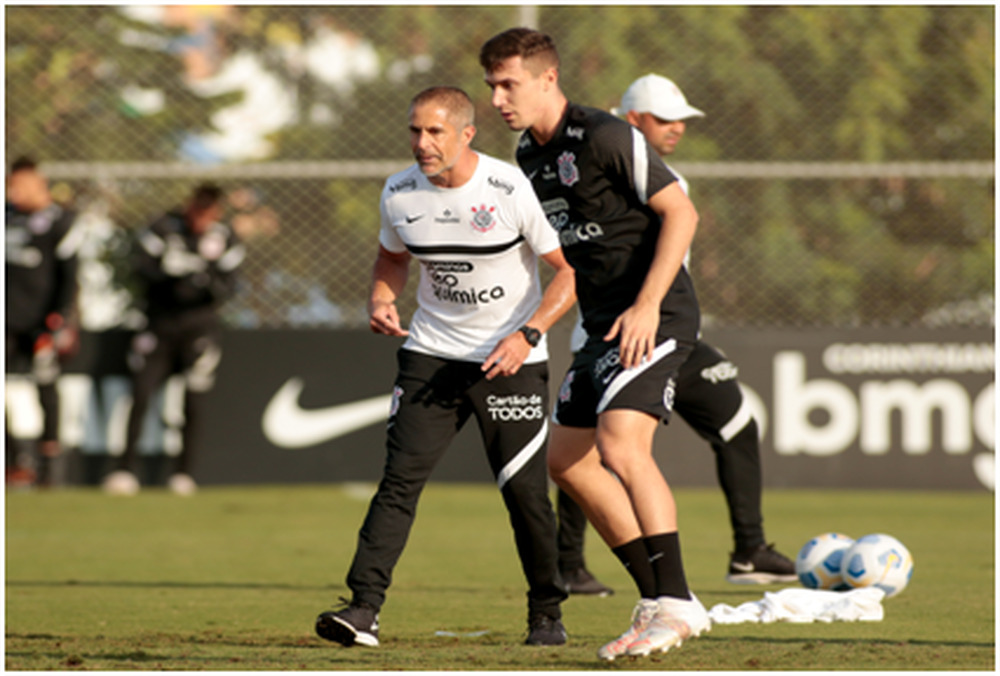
(187,262)
(41,312)
(625,226)
(475,348)
(708,395)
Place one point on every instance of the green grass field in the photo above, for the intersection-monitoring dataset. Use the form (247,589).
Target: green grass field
(232,579)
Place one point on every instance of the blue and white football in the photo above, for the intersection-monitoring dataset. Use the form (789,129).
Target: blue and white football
(878,560)
(818,562)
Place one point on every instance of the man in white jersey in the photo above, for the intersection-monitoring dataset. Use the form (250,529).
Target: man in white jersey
(708,394)
(475,347)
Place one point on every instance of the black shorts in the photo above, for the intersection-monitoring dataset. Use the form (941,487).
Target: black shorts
(596,382)
(709,397)
(189,345)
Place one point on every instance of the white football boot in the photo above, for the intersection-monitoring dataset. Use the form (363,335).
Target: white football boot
(676,621)
(644,612)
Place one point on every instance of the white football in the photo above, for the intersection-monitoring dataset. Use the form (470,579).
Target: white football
(818,562)
(878,560)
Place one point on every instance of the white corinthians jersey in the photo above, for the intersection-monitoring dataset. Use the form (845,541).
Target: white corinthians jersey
(478,247)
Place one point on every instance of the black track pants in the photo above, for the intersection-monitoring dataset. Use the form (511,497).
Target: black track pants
(433,399)
(187,345)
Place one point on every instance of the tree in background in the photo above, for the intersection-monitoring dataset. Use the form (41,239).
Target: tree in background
(779,84)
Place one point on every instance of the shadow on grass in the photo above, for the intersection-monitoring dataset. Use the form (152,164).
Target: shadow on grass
(660,661)
(218,638)
(128,655)
(132,660)
(492,655)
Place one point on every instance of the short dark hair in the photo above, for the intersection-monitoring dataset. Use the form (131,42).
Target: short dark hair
(460,107)
(529,44)
(205,196)
(23,163)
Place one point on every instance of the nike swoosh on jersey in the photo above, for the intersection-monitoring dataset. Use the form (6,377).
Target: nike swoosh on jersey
(288,425)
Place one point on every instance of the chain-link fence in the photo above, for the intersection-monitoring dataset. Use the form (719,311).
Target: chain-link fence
(844,172)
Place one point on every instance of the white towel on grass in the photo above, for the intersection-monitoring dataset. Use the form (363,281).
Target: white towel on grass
(805,605)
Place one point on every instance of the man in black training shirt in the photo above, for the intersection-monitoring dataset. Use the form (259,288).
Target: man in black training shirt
(625,226)
(708,398)
(40,274)
(187,260)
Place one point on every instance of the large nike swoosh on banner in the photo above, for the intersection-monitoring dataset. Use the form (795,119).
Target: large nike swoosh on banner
(288,425)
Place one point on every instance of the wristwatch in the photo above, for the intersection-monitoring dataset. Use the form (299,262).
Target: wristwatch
(533,336)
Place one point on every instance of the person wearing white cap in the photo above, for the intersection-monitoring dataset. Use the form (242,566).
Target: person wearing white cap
(657,107)
(708,395)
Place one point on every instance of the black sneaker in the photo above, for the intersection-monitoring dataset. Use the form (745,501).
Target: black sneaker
(761,565)
(545,630)
(357,623)
(581,581)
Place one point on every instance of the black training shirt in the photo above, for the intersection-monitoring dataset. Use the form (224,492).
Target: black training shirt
(594,179)
(184,272)
(41,255)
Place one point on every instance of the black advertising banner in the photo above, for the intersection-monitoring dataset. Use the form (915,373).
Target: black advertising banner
(858,408)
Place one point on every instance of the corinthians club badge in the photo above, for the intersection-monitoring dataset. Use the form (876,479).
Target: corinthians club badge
(568,173)
(482,218)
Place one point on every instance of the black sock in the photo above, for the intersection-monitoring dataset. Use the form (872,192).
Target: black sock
(636,559)
(664,551)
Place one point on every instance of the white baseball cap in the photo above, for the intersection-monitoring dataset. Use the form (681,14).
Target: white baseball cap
(657,95)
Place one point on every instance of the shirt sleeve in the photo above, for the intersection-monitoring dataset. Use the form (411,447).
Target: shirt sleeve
(651,175)
(66,263)
(148,253)
(627,152)
(388,237)
(535,226)
(223,272)
(235,253)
